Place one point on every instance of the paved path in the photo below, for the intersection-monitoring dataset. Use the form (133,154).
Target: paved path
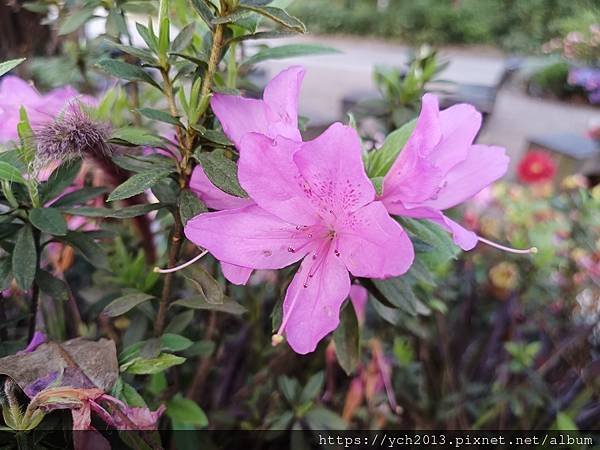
(516,116)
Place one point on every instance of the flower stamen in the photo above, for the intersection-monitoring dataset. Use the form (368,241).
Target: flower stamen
(531,250)
(181,266)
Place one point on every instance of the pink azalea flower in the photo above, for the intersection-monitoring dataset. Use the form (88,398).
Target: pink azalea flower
(275,115)
(440,167)
(41,108)
(315,203)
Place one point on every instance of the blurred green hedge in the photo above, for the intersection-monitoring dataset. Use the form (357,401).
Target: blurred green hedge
(512,24)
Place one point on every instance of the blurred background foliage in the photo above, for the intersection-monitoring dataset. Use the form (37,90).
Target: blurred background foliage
(522,25)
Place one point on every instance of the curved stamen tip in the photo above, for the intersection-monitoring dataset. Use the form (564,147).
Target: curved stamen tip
(181,266)
(276,339)
(531,250)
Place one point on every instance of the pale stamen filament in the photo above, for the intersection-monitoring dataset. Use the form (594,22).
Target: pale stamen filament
(182,266)
(508,249)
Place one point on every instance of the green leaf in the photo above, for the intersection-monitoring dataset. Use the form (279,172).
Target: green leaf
(147,34)
(140,53)
(75,20)
(60,178)
(52,286)
(10,173)
(184,38)
(233,17)
(564,422)
(27,148)
(347,340)
(9,65)
(190,205)
(123,213)
(433,235)
(277,15)
(203,282)
(213,135)
(125,303)
(126,71)
(379,162)
(378,184)
(186,411)
(134,136)
(24,258)
(161,116)
(398,292)
(168,342)
(49,220)
(282,421)
(138,163)
(228,306)
(87,247)
(288,51)
(131,396)
(180,322)
(137,184)
(221,171)
(78,197)
(313,387)
(154,365)
(174,343)
(204,12)
(260,35)
(289,387)
(320,418)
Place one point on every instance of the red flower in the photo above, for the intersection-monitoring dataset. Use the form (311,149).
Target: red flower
(536,166)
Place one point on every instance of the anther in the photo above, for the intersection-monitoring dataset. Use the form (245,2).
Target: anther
(276,339)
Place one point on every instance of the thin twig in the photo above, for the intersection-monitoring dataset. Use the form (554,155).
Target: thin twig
(175,242)
(204,364)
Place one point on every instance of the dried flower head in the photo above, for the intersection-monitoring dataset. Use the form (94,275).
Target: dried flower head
(72,135)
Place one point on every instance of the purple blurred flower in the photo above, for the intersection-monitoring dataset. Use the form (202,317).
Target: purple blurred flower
(38,339)
(589,79)
(41,108)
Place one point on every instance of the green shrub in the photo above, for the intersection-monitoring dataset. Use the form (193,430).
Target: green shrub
(513,24)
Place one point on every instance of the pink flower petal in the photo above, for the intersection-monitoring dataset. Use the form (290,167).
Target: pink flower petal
(334,172)
(212,196)
(236,274)
(239,115)
(483,166)
(276,115)
(459,125)
(249,237)
(270,176)
(359,296)
(281,96)
(314,310)
(374,245)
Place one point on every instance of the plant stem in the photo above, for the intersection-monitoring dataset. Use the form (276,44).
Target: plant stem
(186,143)
(213,61)
(174,246)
